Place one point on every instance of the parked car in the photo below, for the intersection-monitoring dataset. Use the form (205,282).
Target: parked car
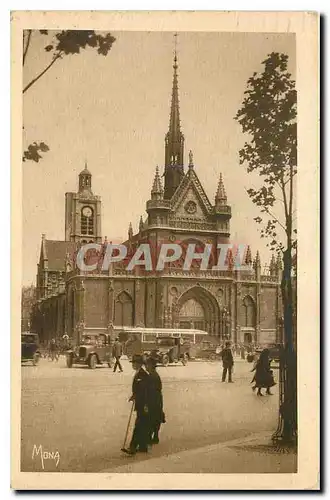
(93,350)
(170,350)
(208,350)
(30,348)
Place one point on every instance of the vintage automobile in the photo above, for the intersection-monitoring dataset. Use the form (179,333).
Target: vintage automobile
(30,348)
(209,350)
(170,349)
(92,350)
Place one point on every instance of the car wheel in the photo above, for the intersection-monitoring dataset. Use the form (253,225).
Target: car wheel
(69,361)
(35,360)
(184,359)
(213,357)
(92,362)
(165,360)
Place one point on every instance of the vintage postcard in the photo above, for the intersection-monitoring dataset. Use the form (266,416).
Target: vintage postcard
(164,324)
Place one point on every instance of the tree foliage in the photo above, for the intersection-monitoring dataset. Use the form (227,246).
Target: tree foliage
(61,44)
(33,151)
(268,114)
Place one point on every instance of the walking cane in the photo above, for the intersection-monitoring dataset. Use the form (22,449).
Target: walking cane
(127,429)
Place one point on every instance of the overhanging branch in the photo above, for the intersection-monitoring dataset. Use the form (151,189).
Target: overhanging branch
(56,57)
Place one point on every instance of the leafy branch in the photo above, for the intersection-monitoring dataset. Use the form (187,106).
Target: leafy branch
(63,43)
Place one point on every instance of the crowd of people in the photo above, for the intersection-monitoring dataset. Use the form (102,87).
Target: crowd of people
(147,397)
(147,394)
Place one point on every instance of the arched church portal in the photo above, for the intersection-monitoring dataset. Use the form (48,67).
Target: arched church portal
(197,308)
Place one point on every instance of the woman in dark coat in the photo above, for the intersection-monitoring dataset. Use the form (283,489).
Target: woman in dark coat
(156,413)
(263,374)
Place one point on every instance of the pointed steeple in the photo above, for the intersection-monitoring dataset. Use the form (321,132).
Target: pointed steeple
(279,266)
(257,262)
(174,139)
(174,127)
(157,190)
(220,196)
(141,224)
(248,256)
(130,231)
(272,266)
(191,159)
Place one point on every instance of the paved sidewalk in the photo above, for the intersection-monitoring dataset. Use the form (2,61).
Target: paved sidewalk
(253,454)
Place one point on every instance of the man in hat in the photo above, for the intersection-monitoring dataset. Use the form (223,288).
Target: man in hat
(227,362)
(157,416)
(140,396)
(117,351)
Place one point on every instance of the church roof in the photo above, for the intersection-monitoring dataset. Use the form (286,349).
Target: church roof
(55,252)
(85,171)
(191,179)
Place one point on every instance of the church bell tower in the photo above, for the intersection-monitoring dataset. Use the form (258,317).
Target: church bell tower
(83,212)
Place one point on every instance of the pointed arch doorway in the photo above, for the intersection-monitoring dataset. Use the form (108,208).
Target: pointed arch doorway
(197,308)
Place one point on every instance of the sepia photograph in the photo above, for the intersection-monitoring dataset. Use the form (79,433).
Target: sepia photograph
(159,231)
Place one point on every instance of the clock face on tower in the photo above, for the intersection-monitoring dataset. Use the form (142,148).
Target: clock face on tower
(87,212)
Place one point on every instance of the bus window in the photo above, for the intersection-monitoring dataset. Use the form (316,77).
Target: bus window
(148,337)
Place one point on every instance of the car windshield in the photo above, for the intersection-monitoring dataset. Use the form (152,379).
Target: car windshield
(29,339)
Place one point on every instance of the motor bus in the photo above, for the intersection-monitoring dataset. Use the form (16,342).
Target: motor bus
(138,340)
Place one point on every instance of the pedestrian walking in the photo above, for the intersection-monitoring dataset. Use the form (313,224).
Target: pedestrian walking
(117,352)
(53,350)
(227,362)
(242,351)
(156,412)
(263,377)
(140,396)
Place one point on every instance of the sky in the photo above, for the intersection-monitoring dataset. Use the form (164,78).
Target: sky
(113,112)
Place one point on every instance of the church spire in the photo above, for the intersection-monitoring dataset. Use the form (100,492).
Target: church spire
(130,231)
(174,139)
(272,266)
(248,256)
(141,225)
(174,127)
(157,190)
(220,196)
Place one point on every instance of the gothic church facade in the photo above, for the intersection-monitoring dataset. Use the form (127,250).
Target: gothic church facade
(244,306)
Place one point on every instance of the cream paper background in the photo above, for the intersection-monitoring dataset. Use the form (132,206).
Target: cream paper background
(306,28)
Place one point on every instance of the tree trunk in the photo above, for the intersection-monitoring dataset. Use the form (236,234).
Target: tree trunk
(288,364)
